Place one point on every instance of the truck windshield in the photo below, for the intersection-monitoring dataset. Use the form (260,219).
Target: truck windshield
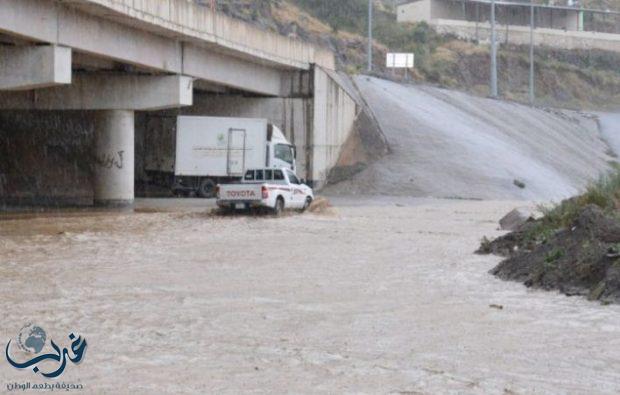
(284,152)
(292,177)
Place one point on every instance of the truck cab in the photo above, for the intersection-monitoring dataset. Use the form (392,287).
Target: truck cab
(280,153)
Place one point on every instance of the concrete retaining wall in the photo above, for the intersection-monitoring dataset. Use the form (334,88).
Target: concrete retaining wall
(521,35)
(334,116)
(431,10)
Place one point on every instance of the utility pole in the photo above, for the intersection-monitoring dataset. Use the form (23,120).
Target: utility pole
(369,36)
(532,94)
(493,52)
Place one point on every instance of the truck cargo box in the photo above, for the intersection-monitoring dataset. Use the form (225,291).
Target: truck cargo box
(221,147)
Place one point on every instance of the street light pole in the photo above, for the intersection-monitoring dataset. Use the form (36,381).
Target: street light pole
(532,94)
(493,52)
(369,36)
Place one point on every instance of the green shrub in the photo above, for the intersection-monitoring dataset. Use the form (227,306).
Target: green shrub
(554,255)
(605,193)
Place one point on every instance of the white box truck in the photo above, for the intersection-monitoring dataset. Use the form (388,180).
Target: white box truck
(194,154)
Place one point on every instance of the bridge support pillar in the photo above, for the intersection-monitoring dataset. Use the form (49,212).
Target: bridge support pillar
(114,158)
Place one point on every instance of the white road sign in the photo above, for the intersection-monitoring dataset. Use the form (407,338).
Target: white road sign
(400,60)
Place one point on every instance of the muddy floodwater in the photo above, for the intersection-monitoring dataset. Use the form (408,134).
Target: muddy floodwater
(380,296)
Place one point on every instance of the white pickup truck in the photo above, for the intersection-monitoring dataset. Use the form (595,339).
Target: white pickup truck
(275,189)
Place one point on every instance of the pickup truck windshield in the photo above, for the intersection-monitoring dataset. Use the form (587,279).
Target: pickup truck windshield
(284,152)
(292,177)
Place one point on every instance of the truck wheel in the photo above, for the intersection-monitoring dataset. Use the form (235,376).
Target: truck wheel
(206,189)
(307,204)
(279,207)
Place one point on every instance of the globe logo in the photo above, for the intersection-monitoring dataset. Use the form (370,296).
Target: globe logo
(32,339)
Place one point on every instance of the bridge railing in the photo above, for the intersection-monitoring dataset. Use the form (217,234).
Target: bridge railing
(189,19)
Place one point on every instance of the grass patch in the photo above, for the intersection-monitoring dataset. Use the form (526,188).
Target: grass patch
(604,193)
(553,256)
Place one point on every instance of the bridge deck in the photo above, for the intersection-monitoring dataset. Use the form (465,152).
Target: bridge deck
(198,24)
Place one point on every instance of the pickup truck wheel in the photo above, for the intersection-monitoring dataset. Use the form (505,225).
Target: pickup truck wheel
(307,204)
(279,207)
(206,189)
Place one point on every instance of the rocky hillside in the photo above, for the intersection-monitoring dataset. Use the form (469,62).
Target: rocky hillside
(570,79)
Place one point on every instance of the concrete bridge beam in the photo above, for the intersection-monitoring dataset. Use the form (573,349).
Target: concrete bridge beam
(136,44)
(230,71)
(297,84)
(106,92)
(114,158)
(30,67)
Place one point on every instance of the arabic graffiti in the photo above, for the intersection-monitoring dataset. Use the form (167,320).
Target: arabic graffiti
(109,161)
(78,347)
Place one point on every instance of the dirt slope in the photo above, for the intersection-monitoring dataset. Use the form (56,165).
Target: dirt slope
(451,144)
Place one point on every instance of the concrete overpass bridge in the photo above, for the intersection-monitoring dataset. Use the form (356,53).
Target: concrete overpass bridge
(93,71)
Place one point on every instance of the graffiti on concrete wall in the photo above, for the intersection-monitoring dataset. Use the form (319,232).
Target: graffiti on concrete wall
(110,161)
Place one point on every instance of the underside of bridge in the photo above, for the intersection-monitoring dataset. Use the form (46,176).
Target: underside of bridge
(78,90)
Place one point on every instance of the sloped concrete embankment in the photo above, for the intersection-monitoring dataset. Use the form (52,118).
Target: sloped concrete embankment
(366,142)
(449,144)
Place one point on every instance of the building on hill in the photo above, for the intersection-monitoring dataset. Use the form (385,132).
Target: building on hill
(567,27)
